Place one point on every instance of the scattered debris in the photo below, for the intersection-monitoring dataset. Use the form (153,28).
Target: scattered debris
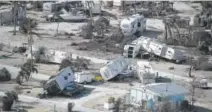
(171,68)
(76,64)
(203,63)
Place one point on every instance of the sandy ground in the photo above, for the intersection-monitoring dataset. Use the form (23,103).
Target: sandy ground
(62,42)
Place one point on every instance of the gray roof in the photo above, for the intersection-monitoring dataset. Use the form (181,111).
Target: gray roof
(166,89)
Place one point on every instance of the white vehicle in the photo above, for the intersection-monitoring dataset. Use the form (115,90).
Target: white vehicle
(132,50)
(113,68)
(84,77)
(131,25)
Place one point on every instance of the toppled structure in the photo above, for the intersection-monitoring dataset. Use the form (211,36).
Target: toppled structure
(153,47)
(64,83)
(113,68)
(133,24)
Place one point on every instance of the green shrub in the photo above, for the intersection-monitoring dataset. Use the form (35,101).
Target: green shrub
(5,75)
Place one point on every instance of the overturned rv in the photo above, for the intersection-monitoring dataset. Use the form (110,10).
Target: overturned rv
(63,83)
(58,83)
(154,47)
(113,68)
(133,24)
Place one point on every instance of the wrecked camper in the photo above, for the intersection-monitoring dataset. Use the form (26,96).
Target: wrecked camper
(57,84)
(64,84)
(131,25)
(113,68)
(154,47)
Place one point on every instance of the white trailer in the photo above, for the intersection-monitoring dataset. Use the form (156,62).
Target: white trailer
(132,50)
(113,68)
(133,24)
(152,46)
(84,77)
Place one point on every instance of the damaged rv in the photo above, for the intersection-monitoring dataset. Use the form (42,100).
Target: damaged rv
(113,68)
(154,47)
(134,24)
(64,83)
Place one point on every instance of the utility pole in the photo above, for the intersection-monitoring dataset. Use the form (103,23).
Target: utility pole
(91,16)
(135,6)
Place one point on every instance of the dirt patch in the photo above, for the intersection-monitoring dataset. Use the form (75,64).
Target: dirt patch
(98,102)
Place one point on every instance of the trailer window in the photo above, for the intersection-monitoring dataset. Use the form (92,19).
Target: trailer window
(139,24)
(65,77)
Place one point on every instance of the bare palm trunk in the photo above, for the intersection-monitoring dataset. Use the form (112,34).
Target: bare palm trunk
(58,24)
(14,17)
(135,7)
(189,74)
(30,45)
(91,16)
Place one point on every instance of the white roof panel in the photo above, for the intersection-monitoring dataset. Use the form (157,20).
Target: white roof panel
(166,89)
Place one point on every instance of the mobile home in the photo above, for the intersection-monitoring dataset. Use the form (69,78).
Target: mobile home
(152,95)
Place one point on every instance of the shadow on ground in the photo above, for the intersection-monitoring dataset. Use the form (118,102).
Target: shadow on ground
(202,109)
(151,34)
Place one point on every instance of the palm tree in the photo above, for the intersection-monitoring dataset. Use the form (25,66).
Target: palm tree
(26,70)
(26,27)
(15,12)
(90,22)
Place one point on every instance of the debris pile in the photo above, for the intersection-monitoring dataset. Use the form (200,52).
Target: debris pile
(204,18)
(26,25)
(155,9)
(203,63)
(76,64)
